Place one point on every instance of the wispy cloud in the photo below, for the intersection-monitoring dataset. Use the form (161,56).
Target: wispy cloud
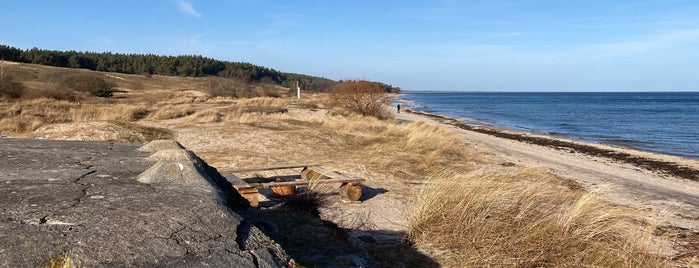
(102,43)
(106,41)
(652,42)
(187,8)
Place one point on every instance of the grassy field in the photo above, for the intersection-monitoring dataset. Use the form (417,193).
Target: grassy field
(464,210)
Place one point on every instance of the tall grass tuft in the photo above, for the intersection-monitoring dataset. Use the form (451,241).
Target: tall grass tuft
(205,116)
(172,112)
(416,148)
(30,115)
(524,219)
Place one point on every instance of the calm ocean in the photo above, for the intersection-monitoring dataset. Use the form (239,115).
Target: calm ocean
(659,122)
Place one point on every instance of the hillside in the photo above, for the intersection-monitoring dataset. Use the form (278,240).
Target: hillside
(186,66)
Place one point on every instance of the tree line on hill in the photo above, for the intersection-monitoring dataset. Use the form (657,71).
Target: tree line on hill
(188,65)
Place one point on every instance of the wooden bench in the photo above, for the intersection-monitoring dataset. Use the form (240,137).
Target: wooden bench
(310,174)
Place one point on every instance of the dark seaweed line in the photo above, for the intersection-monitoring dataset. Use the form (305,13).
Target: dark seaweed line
(649,164)
(653,165)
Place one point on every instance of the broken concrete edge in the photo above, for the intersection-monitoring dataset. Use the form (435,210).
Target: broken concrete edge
(174,164)
(177,165)
(157,145)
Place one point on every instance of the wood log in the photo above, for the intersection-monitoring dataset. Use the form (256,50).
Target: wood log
(287,190)
(351,191)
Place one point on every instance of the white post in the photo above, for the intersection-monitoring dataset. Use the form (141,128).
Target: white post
(298,91)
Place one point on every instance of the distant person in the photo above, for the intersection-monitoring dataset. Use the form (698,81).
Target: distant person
(398,108)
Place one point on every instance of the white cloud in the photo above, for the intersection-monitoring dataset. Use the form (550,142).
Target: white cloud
(187,8)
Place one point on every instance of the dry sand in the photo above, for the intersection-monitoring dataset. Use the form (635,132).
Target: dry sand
(621,182)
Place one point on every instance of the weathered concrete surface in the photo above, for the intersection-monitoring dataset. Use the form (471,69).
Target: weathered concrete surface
(82,200)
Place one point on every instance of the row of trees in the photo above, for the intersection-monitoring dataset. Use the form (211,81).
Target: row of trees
(149,64)
(188,65)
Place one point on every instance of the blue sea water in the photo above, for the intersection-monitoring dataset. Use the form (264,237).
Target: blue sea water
(653,121)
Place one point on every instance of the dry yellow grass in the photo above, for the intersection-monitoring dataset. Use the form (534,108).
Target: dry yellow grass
(204,116)
(115,112)
(220,100)
(526,219)
(23,118)
(28,116)
(171,112)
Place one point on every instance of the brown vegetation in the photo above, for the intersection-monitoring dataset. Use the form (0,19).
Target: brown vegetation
(362,97)
(526,219)
(9,88)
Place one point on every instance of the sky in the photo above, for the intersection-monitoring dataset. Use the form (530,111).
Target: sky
(496,45)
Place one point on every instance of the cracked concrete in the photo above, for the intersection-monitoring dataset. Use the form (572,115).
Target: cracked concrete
(82,200)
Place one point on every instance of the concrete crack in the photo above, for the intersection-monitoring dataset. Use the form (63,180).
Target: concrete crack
(85,186)
(242,234)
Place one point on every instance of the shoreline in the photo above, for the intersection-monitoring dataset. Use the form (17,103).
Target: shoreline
(681,167)
(666,135)
(650,181)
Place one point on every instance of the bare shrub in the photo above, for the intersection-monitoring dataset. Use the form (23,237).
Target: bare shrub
(10,89)
(138,113)
(230,88)
(363,97)
(218,88)
(96,86)
(56,94)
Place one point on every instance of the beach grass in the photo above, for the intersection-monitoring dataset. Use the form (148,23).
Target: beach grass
(526,219)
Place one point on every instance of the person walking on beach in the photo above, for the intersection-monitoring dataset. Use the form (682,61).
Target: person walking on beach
(398,108)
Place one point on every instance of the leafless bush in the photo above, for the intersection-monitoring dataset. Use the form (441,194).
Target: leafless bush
(10,89)
(360,96)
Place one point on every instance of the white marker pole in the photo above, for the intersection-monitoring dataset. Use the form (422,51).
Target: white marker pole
(298,90)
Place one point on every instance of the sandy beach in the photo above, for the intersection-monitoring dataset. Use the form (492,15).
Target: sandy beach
(627,177)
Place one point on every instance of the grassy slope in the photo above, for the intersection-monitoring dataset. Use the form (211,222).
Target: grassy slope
(470,211)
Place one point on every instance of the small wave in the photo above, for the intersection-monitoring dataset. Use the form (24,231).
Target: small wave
(627,143)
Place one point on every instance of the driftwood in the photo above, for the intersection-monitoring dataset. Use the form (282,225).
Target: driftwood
(311,173)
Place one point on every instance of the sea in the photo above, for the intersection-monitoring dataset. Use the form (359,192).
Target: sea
(664,122)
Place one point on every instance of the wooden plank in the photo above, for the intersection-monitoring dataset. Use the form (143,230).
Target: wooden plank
(251,196)
(236,181)
(263,168)
(263,185)
(326,173)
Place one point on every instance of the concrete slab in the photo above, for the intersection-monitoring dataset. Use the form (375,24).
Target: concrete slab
(81,200)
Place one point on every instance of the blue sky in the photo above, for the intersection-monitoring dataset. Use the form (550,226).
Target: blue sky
(498,45)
